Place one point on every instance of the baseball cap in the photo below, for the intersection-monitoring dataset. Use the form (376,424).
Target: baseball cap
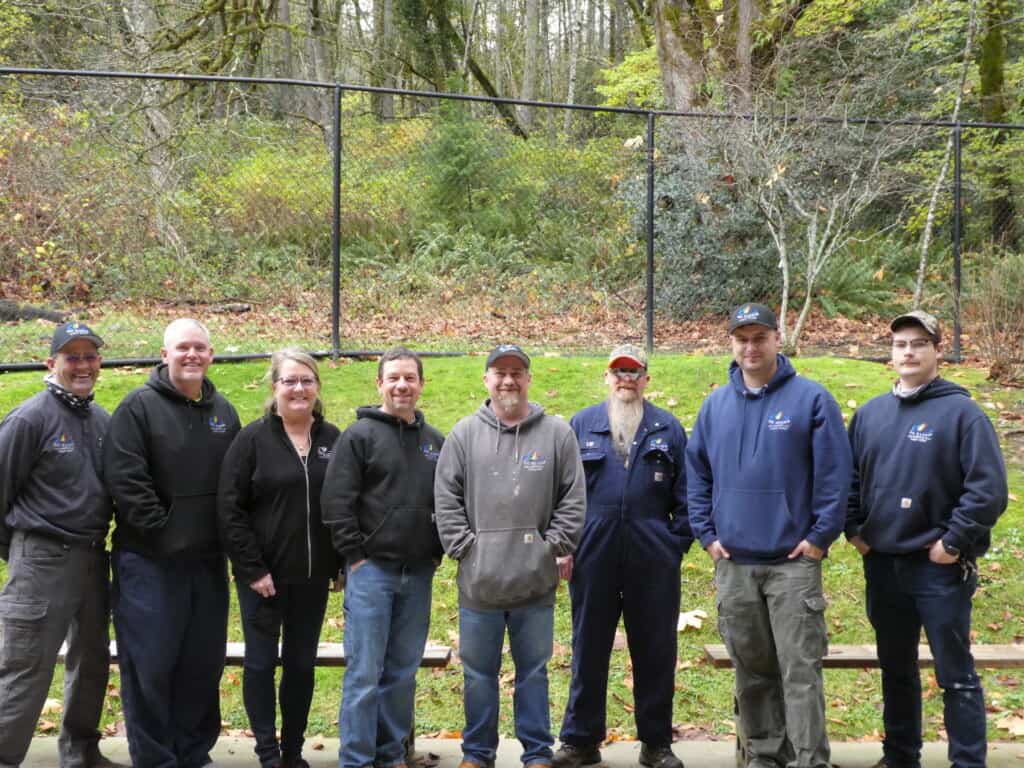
(69,332)
(752,314)
(507,350)
(919,317)
(627,356)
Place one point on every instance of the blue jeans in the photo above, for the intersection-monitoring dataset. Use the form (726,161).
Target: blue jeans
(904,593)
(481,636)
(171,621)
(295,615)
(387,615)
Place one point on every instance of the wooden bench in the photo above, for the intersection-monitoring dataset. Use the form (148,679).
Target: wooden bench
(327,655)
(866,657)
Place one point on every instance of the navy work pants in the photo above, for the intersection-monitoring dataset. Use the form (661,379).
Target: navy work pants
(170,618)
(904,593)
(612,579)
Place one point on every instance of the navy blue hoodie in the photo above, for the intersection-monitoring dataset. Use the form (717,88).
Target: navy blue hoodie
(925,467)
(767,470)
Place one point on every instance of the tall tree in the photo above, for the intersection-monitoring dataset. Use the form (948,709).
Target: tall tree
(992,66)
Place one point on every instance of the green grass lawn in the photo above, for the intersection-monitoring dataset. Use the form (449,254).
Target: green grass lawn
(563,385)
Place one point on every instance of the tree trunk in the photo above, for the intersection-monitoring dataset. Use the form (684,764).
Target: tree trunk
(991,68)
(574,53)
(680,53)
(284,93)
(142,24)
(529,90)
(929,220)
(748,13)
(383,49)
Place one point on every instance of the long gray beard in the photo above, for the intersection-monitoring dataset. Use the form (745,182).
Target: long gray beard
(624,419)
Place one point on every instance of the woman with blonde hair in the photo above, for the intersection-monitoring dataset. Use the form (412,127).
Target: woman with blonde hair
(281,554)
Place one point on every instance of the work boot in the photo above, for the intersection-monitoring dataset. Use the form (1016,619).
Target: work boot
(574,756)
(659,757)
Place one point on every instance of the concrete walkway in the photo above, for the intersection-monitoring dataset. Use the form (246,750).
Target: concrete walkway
(232,752)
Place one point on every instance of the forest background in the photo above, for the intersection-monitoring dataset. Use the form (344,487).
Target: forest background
(465,221)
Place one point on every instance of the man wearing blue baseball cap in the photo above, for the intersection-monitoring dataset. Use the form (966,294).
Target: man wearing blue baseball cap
(767,474)
(54,516)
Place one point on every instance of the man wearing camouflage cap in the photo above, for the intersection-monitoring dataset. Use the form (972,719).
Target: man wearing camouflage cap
(627,565)
(54,515)
(929,483)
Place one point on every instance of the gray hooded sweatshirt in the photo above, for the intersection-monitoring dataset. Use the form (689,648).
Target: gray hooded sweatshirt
(508,501)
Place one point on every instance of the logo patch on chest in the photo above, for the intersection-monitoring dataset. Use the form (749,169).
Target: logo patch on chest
(217,426)
(62,443)
(534,462)
(324,453)
(921,433)
(430,451)
(779,422)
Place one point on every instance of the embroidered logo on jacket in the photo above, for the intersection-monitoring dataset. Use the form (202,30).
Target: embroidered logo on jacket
(534,462)
(658,444)
(217,426)
(324,453)
(921,433)
(62,443)
(430,450)
(779,421)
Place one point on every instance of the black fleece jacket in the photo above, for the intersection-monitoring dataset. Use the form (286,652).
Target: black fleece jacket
(269,504)
(378,497)
(161,462)
(925,467)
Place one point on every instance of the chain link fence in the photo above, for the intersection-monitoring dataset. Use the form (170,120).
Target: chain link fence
(382,216)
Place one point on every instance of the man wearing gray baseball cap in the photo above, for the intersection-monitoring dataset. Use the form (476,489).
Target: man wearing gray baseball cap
(54,516)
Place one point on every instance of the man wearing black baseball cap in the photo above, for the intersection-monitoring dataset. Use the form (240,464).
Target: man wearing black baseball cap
(54,516)
(929,484)
(767,475)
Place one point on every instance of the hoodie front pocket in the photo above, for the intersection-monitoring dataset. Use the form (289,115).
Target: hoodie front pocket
(191,524)
(755,521)
(898,517)
(508,566)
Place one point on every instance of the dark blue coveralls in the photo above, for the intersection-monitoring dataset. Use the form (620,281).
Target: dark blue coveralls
(627,564)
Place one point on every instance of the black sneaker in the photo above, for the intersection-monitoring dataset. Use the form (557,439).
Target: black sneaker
(885,762)
(573,756)
(659,757)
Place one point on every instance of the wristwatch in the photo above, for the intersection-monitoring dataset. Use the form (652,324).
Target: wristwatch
(951,550)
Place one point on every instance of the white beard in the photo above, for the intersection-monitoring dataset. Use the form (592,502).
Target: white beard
(624,418)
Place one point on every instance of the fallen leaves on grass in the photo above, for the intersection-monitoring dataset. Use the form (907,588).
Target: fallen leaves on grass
(1014,724)
(691,620)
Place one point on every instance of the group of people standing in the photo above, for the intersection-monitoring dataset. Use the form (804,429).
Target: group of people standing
(610,501)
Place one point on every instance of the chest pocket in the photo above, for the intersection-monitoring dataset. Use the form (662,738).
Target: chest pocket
(658,462)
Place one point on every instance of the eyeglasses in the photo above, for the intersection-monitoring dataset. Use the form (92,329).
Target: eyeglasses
(76,359)
(628,374)
(306,382)
(914,344)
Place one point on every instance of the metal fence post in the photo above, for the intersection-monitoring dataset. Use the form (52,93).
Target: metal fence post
(957,224)
(336,230)
(650,232)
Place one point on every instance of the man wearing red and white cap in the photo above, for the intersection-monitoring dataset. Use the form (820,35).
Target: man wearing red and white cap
(634,536)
